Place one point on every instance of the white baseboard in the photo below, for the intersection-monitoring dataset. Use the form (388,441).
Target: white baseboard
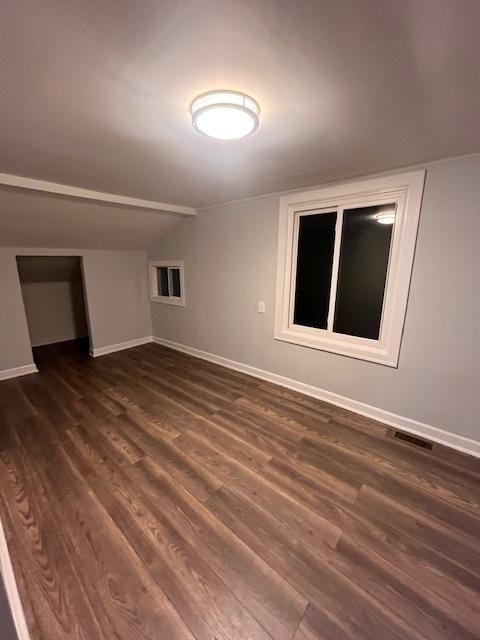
(11,589)
(5,374)
(111,348)
(461,443)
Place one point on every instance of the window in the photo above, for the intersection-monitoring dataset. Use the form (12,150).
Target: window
(167,282)
(345,257)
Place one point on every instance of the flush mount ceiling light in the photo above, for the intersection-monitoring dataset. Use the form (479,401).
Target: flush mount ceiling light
(386,217)
(225,115)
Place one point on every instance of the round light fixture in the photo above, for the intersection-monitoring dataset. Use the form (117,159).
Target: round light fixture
(225,115)
(386,217)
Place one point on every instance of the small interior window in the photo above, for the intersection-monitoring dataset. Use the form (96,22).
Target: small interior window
(162,281)
(167,282)
(175,282)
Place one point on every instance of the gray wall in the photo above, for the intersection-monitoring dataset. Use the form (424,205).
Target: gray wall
(15,348)
(117,300)
(230,261)
(54,311)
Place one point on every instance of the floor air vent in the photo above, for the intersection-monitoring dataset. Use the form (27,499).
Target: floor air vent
(418,442)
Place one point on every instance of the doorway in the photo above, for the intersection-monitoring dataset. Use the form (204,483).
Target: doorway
(54,298)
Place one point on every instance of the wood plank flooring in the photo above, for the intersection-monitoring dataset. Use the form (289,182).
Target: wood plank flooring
(151,495)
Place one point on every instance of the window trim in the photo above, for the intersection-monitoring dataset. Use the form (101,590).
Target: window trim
(406,191)
(153,265)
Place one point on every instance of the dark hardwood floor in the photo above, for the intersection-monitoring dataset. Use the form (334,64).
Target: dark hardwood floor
(148,494)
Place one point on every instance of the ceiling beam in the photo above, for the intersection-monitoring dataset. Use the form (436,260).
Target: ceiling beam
(86,194)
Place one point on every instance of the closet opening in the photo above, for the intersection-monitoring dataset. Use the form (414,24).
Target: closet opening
(54,298)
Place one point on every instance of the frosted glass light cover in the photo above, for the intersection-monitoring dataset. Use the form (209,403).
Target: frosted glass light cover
(225,115)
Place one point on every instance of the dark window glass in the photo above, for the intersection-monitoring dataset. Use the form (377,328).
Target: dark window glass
(175,282)
(162,281)
(362,273)
(316,239)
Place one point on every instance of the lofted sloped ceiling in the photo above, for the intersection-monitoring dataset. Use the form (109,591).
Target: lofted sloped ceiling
(34,219)
(96,95)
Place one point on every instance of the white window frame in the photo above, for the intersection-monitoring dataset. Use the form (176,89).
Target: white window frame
(405,190)
(153,265)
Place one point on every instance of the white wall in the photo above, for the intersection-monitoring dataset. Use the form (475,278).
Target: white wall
(117,300)
(230,260)
(54,311)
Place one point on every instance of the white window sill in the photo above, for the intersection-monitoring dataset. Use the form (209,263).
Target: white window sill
(361,348)
(177,302)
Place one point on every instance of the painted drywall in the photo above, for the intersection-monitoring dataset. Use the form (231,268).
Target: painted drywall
(230,256)
(116,296)
(100,95)
(15,350)
(55,311)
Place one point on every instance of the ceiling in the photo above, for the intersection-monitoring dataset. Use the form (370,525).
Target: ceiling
(33,219)
(96,94)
